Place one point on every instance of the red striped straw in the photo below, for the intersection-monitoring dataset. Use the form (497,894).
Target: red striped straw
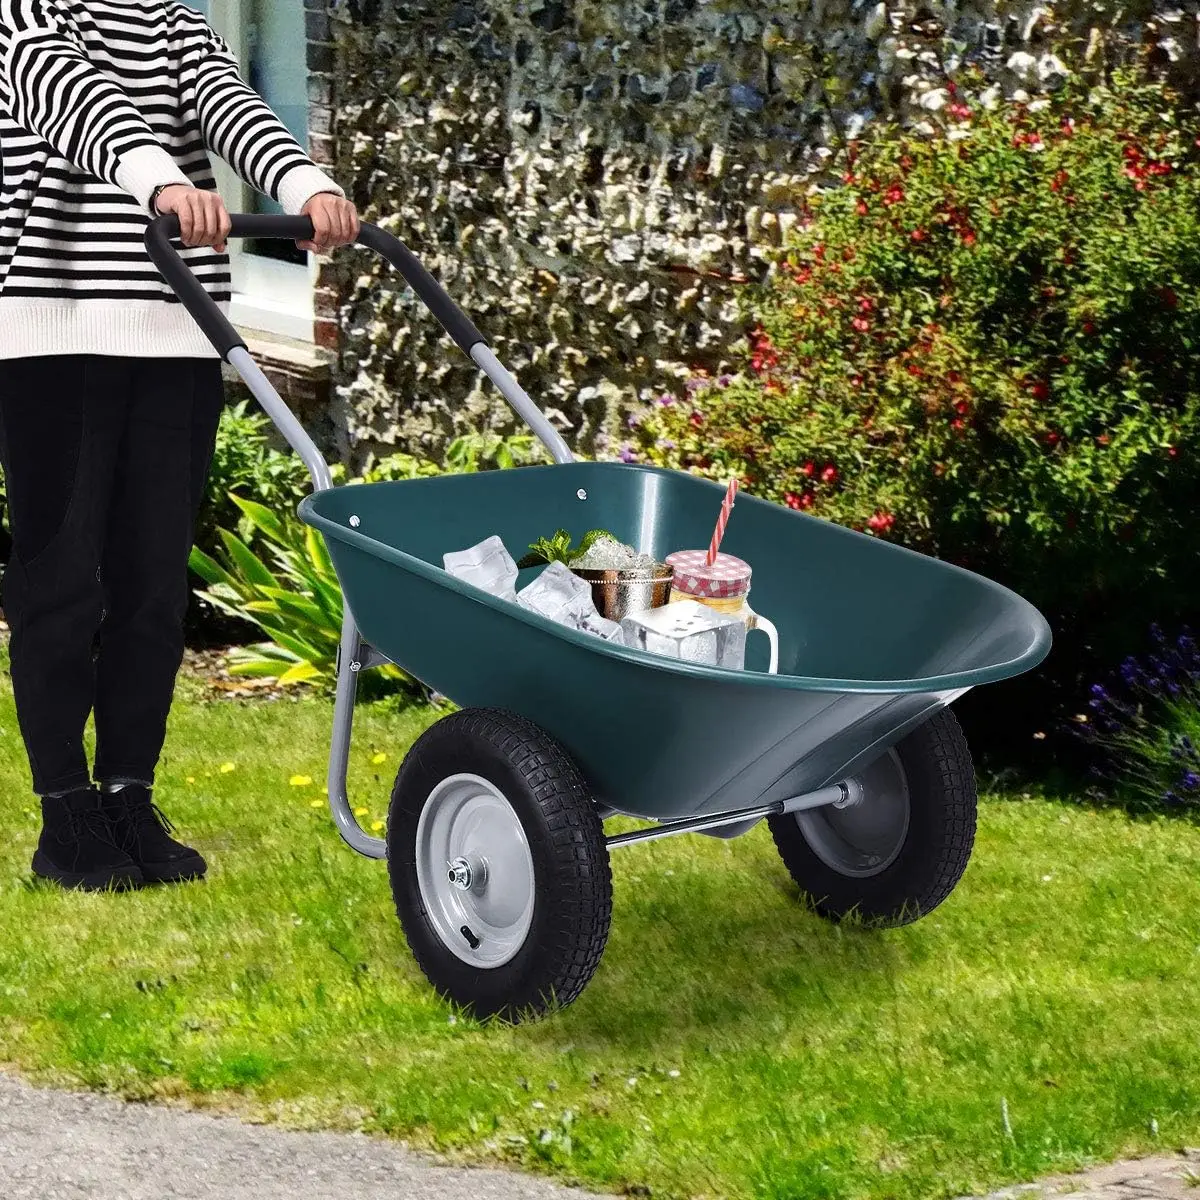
(722,521)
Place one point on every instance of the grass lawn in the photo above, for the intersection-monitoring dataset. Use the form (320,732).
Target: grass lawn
(732,1044)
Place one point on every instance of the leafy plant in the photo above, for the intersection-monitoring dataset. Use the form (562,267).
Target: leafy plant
(298,604)
(558,548)
(1146,725)
(244,462)
(985,344)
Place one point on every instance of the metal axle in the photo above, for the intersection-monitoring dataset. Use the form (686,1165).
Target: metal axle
(840,795)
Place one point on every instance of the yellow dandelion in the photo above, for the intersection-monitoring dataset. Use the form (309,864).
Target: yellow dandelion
(226,767)
(316,804)
(361,812)
(300,780)
(376,825)
(191,779)
(379,758)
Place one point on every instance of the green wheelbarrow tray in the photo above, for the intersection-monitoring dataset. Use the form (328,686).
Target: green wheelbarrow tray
(874,638)
(495,846)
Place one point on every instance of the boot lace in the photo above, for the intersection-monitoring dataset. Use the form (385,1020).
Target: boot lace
(140,811)
(93,822)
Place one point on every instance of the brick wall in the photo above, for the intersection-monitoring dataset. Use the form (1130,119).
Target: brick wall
(322,103)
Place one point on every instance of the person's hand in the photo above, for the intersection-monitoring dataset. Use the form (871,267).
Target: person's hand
(203,219)
(335,222)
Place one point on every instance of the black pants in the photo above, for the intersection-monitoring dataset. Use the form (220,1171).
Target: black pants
(105,460)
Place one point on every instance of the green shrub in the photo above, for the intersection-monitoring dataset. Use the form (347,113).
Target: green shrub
(245,463)
(299,603)
(1145,724)
(984,345)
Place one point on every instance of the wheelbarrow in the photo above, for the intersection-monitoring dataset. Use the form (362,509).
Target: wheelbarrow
(495,842)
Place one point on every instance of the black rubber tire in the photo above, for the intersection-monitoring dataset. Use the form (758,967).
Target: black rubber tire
(937,846)
(572,878)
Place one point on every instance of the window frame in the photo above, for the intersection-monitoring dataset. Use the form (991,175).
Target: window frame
(268,295)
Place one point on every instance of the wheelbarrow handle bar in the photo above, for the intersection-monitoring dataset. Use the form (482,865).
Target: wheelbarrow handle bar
(216,325)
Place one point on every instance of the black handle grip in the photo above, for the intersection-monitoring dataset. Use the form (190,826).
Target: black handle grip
(216,325)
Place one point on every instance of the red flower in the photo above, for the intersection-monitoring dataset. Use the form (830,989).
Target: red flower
(806,500)
(861,324)
(1089,328)
(861,208)
(1040,390)
(802,274)
(881,521)
(1168,297)
(958,423)
(962,408)
(913,369)
(906,162)
(829,474)
(893,195)
(1052,438)
(808,469)
(968,237)
(959,112)
(697,419)
(865,304)
(791,500)
(1103,439)
(1172,452)
(919,235)
(1057,182)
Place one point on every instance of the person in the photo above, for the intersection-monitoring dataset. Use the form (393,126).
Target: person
(110,395)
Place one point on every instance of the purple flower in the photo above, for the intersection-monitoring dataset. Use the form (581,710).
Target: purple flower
(633,420)
(666,444)
(695,382)
(627,455)
(1189,781)
(724,380)
(666,399)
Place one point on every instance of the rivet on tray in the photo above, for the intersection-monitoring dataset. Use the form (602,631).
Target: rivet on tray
(354,522)
(582,494)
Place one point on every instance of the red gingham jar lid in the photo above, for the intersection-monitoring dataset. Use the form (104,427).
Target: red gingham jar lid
(728,576)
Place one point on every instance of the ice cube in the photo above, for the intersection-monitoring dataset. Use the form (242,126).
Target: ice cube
(561,595)
(610,631)
(607,554)
(689,631)
(487,565)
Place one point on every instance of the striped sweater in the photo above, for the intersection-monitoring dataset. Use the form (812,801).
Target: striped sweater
(100,102)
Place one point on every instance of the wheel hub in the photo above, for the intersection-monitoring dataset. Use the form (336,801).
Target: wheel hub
(475,870)
(864,834)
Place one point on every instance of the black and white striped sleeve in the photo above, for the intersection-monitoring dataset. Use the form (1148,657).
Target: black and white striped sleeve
(52,89)
(237,124)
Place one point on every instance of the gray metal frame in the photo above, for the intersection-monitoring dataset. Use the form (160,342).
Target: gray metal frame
(355,655)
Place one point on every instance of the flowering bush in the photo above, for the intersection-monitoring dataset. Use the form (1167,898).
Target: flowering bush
(1146,724)
(984,345)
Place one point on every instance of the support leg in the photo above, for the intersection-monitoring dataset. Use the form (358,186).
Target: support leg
(349,663)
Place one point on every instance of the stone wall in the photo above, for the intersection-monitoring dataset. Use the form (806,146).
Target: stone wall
(596,181)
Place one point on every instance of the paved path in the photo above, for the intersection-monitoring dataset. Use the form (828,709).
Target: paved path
(1167,1178)
(76,1146)
(79,1146)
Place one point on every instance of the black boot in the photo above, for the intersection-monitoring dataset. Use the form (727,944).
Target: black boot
(79,847)
(143,831)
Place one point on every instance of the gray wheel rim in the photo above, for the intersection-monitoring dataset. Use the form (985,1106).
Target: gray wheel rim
(863,839)
(475,871)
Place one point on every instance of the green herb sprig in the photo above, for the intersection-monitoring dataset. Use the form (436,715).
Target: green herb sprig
(558,548)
